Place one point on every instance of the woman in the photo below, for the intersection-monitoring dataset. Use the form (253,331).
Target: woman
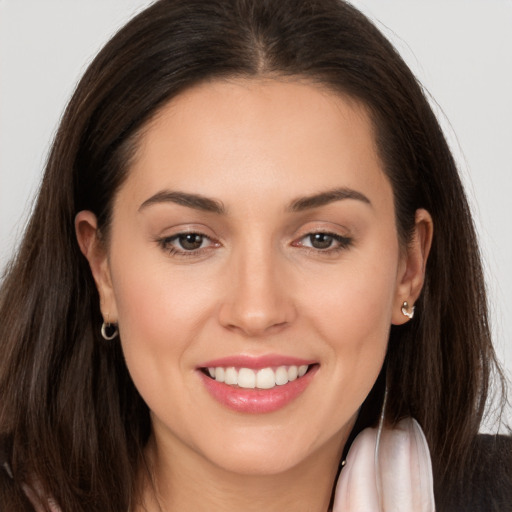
(251,244)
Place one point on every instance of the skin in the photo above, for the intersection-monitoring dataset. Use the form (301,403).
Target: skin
(257,285)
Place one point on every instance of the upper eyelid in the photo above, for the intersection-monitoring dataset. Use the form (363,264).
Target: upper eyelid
(323,231)
(176,231)
(336,236)
(167,244)
(321,225)
(171,238)
(304,231)
(341,231)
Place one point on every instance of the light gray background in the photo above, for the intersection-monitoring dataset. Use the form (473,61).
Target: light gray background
(461,50)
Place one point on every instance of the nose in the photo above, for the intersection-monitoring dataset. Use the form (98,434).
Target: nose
(258,300)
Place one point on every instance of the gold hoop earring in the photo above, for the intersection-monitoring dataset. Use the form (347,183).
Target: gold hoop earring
(407,311)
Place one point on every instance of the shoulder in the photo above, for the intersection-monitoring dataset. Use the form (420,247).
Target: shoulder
(487,486)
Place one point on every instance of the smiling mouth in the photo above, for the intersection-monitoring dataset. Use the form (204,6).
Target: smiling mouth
(264,378)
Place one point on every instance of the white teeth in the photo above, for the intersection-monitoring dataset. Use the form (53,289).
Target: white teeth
(231,376)
(246,378)
(265,378)
(293,371)
(282,376)
(219,374)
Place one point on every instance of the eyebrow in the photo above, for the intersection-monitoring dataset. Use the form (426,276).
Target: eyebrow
(194,201)
(324,198)
(202,203)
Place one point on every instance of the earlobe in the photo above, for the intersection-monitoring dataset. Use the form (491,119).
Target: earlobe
(412,273)
(94,250)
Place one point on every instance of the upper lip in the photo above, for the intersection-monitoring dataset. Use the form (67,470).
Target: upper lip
(256,362)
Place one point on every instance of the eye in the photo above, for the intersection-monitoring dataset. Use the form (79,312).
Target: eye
(190,241)
(186,244)
(323,242)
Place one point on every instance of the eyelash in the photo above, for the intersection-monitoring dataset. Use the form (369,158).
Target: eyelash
(165,243)
(342,242)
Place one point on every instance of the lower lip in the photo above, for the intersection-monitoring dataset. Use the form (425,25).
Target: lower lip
(257,401)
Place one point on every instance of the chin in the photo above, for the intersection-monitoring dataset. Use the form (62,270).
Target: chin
(260,463)
(272,453)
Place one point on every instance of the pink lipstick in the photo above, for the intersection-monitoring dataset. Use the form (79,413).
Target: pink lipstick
(257,384)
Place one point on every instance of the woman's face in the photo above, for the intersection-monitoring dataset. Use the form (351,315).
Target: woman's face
(254,239)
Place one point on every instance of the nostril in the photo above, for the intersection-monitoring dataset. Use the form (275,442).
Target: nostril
(256,306)
(256,327)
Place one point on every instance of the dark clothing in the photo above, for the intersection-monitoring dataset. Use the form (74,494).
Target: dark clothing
(487,486)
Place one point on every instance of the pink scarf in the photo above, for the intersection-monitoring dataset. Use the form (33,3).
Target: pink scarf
(387,470)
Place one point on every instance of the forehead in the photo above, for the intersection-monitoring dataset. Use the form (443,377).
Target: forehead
(234,137)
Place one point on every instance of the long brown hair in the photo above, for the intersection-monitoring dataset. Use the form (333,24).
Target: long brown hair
(70,415)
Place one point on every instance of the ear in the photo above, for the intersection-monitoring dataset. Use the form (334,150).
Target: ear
(411,274)
(93,248)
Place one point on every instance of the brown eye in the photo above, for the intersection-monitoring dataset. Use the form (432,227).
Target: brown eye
(190,241)
(187,244)
(324,242)
(321,240)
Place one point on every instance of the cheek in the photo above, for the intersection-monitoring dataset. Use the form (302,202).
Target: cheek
(153,295)
(352,312)
(357,300)
(160,314)
(160,310)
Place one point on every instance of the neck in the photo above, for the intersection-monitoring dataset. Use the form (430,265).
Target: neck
(188,483)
